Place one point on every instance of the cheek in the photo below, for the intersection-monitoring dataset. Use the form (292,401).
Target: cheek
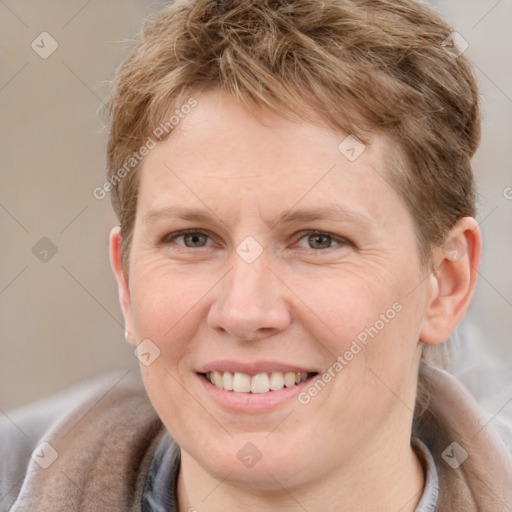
(345,303)
(165,308)
(367,323)
(170,400)
(163,300)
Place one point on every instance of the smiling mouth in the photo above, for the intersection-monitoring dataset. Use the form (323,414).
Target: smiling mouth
(260,383)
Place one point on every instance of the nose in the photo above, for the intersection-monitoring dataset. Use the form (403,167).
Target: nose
(251,303)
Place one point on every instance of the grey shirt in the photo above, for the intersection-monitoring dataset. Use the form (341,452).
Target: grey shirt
(160,489)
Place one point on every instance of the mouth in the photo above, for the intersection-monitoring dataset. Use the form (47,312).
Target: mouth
(260,383)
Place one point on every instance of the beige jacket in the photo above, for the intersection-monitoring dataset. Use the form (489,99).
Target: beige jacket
(98,453)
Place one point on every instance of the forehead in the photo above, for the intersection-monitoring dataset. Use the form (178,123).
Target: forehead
(221,155)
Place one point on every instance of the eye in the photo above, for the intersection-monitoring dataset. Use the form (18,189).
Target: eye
(190,239)
(318,240)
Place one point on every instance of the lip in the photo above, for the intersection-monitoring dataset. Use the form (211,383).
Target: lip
(252,402)
(253,368)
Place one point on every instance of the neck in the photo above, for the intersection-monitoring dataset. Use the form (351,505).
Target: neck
(393,481)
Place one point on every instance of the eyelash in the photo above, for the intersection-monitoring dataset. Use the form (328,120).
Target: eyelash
(340,241)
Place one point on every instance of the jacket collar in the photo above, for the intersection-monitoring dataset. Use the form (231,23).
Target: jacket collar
(474,466)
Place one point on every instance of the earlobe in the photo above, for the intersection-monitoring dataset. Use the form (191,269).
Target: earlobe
(122,283)
(453,281)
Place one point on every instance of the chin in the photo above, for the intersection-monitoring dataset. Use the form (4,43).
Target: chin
(254,461)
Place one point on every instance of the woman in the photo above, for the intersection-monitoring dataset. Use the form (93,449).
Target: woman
(297,239)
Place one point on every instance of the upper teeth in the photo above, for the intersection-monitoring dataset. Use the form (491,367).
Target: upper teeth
(259,383)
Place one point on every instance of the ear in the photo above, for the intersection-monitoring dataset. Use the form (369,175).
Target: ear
(453,281)
(122,282)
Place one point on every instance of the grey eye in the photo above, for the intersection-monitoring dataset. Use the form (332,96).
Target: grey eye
(319,241)
(194,240)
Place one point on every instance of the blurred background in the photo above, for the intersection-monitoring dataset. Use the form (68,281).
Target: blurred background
(61,321)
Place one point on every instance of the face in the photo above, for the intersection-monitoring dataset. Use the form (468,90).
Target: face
(262,256)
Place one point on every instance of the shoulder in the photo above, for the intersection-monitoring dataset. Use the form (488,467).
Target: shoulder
(22,429)
(472,460)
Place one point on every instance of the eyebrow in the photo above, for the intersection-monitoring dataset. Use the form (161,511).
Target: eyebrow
(331,212)
(178,213)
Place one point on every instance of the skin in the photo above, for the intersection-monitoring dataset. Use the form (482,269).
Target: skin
(298,302)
